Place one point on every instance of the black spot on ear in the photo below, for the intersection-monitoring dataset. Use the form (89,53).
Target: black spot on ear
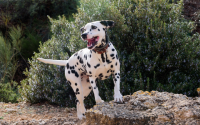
(107,23)
(82,29)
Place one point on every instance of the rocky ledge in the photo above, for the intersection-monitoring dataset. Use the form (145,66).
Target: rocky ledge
(147,108)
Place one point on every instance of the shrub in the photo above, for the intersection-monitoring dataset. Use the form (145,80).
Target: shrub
(156,48)
(10,47)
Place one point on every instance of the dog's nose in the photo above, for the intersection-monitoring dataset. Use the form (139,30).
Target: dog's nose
(84,35)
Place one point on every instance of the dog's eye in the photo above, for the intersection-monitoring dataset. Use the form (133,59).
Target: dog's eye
(93,27)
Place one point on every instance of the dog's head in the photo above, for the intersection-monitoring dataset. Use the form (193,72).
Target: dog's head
(95,33)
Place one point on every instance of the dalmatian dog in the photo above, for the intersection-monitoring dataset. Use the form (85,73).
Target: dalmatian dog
(98,61)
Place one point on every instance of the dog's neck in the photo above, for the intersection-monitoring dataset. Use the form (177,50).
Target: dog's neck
(102,48)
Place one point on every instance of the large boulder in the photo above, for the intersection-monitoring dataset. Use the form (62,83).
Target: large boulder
(147,108)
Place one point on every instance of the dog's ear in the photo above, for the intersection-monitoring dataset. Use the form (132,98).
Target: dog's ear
(82,29)
(107,23)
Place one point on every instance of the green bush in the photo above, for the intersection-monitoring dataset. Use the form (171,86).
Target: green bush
(156,48)
(10,48)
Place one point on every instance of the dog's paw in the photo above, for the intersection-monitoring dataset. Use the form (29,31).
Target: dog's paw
(118,98)
(99,101)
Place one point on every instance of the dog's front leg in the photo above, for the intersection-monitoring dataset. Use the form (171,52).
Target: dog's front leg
(95,90)
(117,95)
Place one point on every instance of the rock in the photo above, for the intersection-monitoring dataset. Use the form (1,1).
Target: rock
(9,110)
(153,108)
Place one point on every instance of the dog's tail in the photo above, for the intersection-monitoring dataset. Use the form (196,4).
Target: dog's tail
(56,62)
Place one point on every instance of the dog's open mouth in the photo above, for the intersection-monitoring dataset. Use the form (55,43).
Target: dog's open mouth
(92,42)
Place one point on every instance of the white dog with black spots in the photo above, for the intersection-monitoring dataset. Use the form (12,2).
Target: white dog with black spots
(98,61)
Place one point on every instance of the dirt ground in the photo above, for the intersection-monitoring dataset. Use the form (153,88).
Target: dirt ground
(44,114)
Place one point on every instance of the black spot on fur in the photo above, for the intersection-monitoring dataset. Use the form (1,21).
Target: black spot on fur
(78,57)
(116,63)
(108,71)
(113,58)
(85,56)
(102,57)
(118,77)
(88,80)
(111,55)
(75,73)
(81,60)
(113,49)
(111,66)
(75,84)
(115,73)
(68,72)
(76,101)
(97,66)
(104,29)
(90,55)
(116,56)
(115,80)
(90,87)
(77,91)
(91,81)
(95,87)
(101,75)
(98,29)
(71,67)
(67,65)
(108,61)
(85,97)
(77,63)
(88,65)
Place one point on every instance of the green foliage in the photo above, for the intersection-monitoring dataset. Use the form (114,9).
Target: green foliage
(10,47)
(154,43)
(8,92)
